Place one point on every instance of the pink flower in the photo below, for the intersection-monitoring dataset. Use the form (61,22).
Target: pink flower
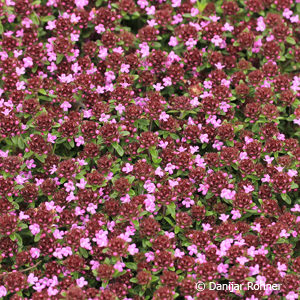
(217,40)
(51,25)
(35,229)
(206,227)
(227,194)
(191,42)
(173,41)
(119,266)
(254,270)
(100,28)
(266,178)
(101,238)
(132,249)
(85,243)
(20,85)
(292,296)
(27,62)
(227,27)
(159,172)
(248,189)
(82,183)
(3,291)
(178,253)
(158,87)
(187,202)
(51,138)
(149,186)
(261,26)
(192,249)
(164,116)
(283,233)
(81,282)
(292,173)
(223,268)
(176,3)
(142,3)
(173,183)
(79,141)
(35,252)
(150,10)
(204,138)
(150,203)
(125,68)
(149,256)
(66,105)
(242,260)
(31,279)
(235,214)
(169,168)
(58,234)
(81,3)
(127,168)
(287,13)
(224,217)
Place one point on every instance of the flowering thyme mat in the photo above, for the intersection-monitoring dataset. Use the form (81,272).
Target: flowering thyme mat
(149,147)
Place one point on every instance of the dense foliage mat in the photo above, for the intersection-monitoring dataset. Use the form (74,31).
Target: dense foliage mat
(148,146)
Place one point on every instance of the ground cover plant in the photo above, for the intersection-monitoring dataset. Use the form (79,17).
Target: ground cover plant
(146,146)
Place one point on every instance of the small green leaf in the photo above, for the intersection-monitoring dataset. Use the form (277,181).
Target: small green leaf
(171,209)
(59,58)
(290,40)
(41,158)
(118,148)
(286,198)
(83,252)
(1,28)
(37,237)
(35,19)
(98,3)
(153,152)
(131,265)
(21,143)
(47,18)
(169,221)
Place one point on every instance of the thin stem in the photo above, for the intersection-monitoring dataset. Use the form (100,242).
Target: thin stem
(27,269)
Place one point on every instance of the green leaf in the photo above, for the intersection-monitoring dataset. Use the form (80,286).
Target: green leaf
(153,152)
(37,237)
(43,92)
(47,18)
(201,5)
(83,252)
(35,19)
(21,143)
(1,28)
(290,40)
(286,198)
(98,3)
(294,185)
(118,148)
(171,209)
(19,240)
(59,58)
(41,158)
(131,265)
(169,221)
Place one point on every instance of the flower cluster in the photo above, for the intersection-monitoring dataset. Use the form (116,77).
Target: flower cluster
(149,145)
